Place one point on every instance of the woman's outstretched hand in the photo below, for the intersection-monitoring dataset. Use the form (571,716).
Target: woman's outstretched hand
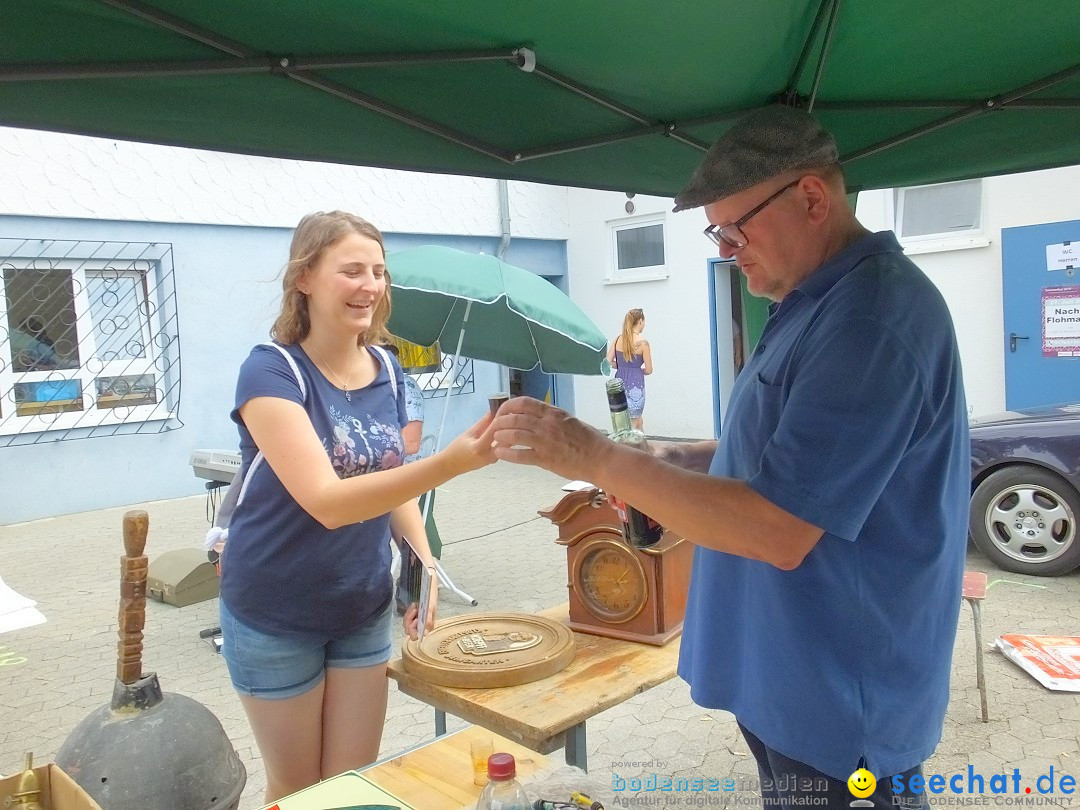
(473,448)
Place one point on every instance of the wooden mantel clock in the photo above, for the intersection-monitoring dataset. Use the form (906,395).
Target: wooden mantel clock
(617,590)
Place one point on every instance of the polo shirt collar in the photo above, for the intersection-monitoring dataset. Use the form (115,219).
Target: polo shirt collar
(839,265)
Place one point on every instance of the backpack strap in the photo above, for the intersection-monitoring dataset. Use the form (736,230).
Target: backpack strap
(384,355)
(292,364)
(259,457)
(219,533)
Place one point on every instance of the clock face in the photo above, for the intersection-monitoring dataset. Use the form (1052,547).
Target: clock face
(610,581)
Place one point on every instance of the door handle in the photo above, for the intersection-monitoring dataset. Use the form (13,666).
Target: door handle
(1013,337)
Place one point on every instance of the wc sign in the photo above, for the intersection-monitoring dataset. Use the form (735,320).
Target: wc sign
(1064,256)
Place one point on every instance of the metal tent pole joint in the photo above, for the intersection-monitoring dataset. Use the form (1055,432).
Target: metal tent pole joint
(526,59)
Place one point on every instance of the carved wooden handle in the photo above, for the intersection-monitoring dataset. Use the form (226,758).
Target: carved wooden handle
(133,567)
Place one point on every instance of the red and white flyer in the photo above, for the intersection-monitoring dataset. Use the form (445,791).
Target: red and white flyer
(1054,661)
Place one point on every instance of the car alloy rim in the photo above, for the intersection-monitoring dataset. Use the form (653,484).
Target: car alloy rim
(1030,524)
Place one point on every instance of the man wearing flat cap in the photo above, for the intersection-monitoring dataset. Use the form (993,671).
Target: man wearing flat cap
(831,517)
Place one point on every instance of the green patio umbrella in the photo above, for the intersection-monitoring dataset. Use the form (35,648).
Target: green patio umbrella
(622,96)
(480,307)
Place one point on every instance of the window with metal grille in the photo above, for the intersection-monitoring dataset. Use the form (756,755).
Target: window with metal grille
(454,376)
(88,339)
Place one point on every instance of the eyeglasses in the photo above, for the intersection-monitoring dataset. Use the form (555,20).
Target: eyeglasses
(732,235)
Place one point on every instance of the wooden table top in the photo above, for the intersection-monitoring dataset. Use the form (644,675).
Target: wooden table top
(439,774)
(604,673)
(434,776)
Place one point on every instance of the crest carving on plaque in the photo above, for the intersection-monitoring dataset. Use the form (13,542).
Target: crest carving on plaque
(489,650)
(495,643)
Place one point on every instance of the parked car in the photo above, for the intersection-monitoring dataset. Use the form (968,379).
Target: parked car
(1025,489)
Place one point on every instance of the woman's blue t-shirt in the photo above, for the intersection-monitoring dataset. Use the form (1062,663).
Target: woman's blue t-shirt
(282,571)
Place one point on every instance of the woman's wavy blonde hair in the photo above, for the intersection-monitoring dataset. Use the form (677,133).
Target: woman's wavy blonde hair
(632,319)
(313,236)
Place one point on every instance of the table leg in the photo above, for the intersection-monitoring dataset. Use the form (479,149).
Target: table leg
(980,675)
(440,722)
(576,752)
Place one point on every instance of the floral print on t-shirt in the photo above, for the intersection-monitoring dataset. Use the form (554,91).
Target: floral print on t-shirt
(362,446)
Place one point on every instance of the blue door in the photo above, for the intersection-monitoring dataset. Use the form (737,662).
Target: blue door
(1040,268)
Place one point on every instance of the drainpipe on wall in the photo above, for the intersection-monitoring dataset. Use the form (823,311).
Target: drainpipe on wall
(504,219)
(500,252)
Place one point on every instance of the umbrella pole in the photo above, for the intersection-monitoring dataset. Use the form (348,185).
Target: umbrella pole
(450,389)
(442,575)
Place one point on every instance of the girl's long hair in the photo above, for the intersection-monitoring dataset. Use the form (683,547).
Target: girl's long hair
(632,319)
(313,236)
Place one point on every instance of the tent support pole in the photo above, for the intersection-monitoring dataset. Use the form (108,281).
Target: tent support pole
(991,104)
(808,43)
(834,14)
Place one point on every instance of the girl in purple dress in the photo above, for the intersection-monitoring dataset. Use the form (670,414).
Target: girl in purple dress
(631,357)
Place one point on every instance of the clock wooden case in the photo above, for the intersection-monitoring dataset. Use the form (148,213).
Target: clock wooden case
(617,590)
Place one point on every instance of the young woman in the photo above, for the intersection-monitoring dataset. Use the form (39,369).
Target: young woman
(631,358)
(306,593)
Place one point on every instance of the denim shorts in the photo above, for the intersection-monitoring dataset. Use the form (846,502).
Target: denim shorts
(280,667)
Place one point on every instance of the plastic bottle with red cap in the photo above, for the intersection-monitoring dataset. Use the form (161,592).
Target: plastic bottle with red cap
(502,792)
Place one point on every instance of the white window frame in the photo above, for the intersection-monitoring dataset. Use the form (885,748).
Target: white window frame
(91,368)
(944,240)
(656,272)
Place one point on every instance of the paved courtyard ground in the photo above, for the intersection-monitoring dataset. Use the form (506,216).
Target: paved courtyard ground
(500,551)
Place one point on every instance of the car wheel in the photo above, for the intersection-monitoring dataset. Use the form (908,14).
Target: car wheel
(1025,520)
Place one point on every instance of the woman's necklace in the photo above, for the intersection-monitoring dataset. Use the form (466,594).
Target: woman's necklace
(345,387)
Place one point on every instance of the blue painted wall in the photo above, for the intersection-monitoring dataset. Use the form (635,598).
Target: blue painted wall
(227,286)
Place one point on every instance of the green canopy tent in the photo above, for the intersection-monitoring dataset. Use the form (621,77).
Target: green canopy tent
(621,96)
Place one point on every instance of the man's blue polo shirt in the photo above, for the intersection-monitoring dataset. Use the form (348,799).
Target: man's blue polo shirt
(850,415)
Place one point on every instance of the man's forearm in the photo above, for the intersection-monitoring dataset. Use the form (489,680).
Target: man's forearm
(719,513)
(693,456)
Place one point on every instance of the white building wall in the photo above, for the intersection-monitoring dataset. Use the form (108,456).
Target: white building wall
(45,174)
(679,400)
(970,278)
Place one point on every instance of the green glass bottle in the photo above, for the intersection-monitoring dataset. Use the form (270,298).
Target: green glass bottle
(638,529)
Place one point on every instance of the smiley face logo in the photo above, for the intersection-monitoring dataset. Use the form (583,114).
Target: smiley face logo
(861,783)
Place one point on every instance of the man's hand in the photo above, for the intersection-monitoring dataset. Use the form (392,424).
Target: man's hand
(528,431)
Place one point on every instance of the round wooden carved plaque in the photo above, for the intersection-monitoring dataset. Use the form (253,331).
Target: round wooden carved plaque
(485,650)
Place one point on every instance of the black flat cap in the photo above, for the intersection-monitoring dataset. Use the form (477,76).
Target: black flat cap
(766,143)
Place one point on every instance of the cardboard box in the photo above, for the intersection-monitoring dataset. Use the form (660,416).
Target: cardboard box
(182,577)
(58,790)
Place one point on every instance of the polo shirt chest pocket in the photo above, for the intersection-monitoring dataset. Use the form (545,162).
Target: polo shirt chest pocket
(753,421)
(769,390)
(766,405)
